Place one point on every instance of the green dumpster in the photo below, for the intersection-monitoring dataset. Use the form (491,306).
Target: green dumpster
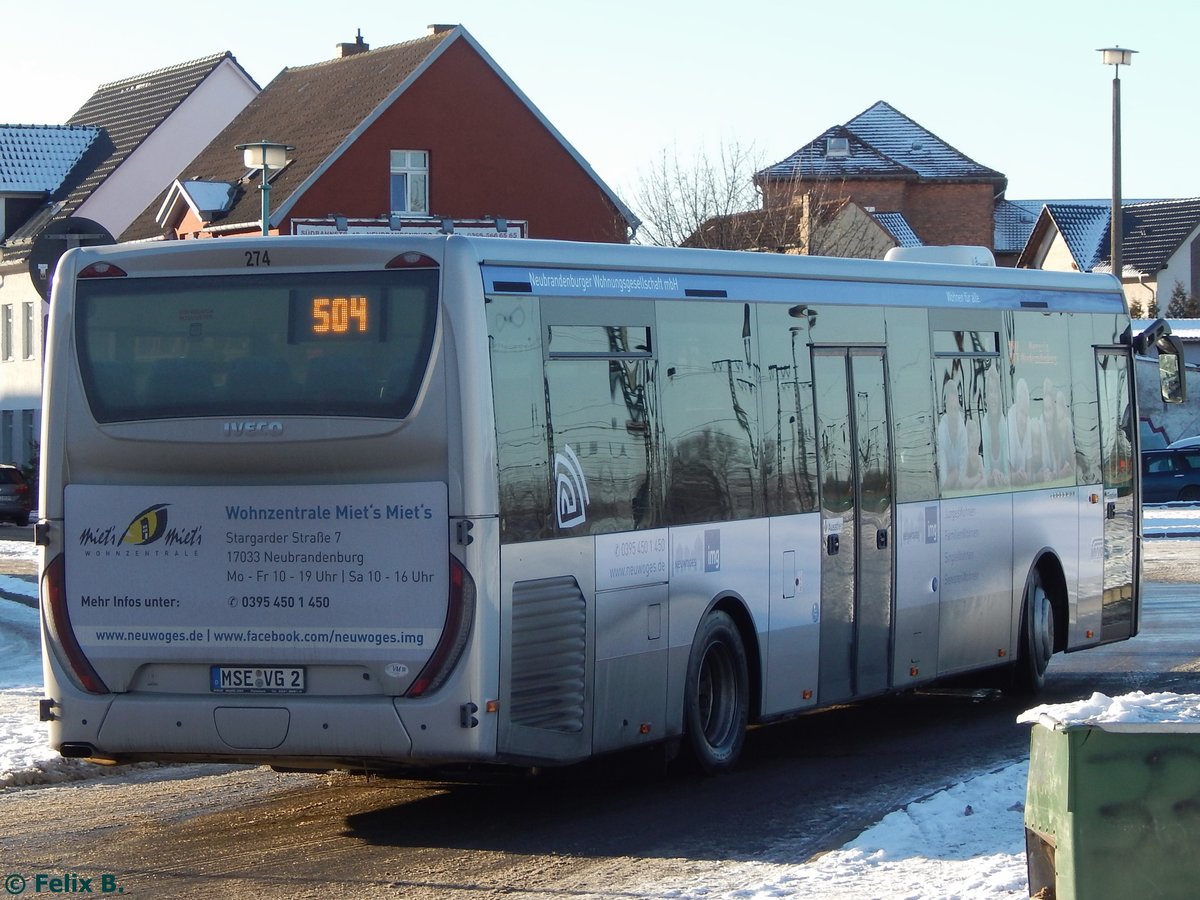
(1112,808)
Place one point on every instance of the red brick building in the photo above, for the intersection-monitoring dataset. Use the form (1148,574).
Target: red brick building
(402,136)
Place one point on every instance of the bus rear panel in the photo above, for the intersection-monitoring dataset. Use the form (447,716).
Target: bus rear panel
(248,508)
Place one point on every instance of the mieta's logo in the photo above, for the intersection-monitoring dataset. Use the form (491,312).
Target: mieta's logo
(147,526)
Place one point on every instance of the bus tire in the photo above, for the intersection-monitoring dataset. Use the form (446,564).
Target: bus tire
(716,695)
(1037,637)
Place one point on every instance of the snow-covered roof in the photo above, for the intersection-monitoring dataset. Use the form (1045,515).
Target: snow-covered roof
(1013,222)
(1154,231)
(1084,228)
(897,226)
(36,158)
(206,198)
(891,132)
(881,142)
(820,159)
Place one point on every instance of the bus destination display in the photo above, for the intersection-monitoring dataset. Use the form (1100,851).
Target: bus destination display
(331,316)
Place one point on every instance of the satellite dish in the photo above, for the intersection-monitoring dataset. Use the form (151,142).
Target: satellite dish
(56,239)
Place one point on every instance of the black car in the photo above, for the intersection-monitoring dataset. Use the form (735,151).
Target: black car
(1171,474)
(16,497)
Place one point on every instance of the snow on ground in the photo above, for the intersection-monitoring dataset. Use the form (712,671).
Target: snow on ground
(963,843)
(24,756)
(23,551)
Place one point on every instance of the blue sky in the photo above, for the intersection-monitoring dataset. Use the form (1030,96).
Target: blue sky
(1017,86)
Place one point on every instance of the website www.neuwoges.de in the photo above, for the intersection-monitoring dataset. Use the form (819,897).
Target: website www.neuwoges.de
(330,636)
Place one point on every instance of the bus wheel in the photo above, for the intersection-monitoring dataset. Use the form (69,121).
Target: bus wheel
(717,695)
(1037,636)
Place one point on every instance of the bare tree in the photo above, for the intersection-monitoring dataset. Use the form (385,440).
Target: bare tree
(675,197)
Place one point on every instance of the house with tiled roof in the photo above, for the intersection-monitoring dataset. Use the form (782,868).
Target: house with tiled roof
(84,182)
(1013,222)
(148,126)
(1160,247)
(405,136)
(890,165)
(34,161)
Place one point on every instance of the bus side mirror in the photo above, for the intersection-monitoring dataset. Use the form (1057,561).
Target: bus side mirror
(1171,376)
(1172,379)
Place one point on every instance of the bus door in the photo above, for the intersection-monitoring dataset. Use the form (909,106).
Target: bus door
(1118,427)
(855,471)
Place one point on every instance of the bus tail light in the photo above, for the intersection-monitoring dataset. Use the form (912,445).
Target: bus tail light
(411,260)
(460,613)
(58,621)
(102,270)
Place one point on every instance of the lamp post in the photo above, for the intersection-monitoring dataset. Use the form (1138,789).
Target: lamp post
(265,155)
(1116,57)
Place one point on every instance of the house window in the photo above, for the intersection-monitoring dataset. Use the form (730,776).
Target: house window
(6,435)
(837,148)
(6,332)
(29,432)
(27,331)
(410,182)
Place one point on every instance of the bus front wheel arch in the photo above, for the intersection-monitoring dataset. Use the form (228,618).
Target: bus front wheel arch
(716,694)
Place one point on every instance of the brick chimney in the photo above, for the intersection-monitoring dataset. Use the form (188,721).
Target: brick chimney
(344,50)
(431,30)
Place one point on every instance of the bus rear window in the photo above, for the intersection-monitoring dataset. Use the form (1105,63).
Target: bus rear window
(328,344)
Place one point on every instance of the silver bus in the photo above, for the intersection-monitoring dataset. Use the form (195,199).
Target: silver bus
(378,502)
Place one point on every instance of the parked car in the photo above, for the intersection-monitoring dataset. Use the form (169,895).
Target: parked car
(1171,474)
(16,497)
(1193,441)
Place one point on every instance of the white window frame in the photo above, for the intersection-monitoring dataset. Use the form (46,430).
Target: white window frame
(6,333)
(409,182)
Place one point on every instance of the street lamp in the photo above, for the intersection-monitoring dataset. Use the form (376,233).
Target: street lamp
(265,155)
(1116,57)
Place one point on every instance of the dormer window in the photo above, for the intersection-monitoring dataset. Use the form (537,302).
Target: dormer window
(410,182)
(837,148)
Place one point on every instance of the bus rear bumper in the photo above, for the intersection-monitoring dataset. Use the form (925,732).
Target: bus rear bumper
(262,730)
